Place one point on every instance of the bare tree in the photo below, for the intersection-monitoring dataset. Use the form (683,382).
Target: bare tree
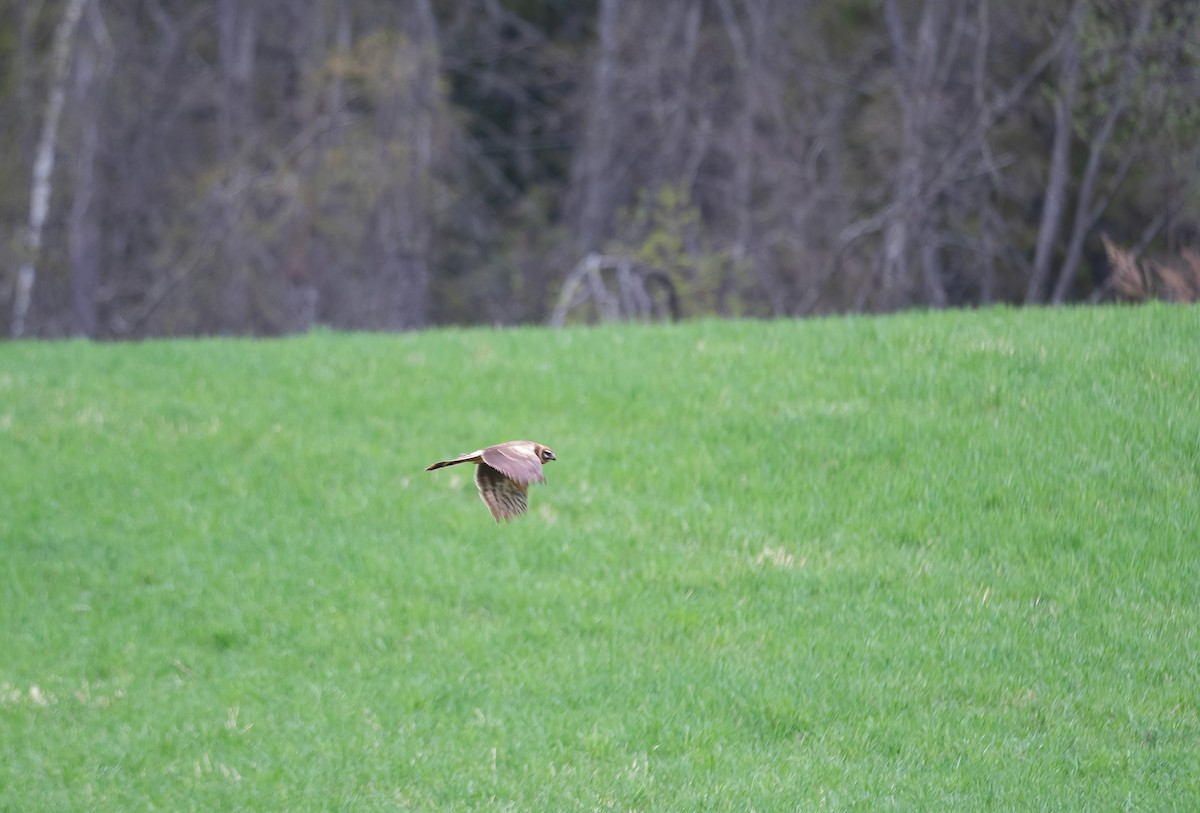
(948,109)
(43,165)
(401,224)
(922,67)
(1117,78)
(943,125)
(237,36)
(1066,69)
(93,63)
(1089,208)
(748,34)
(595,170)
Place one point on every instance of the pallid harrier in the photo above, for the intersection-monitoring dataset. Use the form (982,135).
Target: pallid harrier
(503,473)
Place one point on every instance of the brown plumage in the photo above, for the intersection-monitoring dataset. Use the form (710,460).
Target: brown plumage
(503,473)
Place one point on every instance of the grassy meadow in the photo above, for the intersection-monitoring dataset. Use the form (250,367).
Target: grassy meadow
(941,561)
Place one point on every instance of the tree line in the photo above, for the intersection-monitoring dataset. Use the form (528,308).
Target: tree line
(184,167)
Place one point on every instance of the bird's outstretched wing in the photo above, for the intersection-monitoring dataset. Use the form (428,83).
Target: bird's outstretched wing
(504,496)
(517,459)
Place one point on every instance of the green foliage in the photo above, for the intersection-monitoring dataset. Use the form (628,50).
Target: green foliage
(845,24)
(8,52)
(380,66)
(934,562)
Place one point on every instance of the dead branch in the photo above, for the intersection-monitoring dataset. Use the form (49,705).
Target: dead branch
(628,293)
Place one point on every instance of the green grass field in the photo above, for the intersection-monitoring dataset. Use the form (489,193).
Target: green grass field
(925,562)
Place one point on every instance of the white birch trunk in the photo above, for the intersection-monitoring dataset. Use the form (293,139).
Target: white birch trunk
(43,164)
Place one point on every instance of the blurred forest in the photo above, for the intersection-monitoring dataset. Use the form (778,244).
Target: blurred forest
(184,167)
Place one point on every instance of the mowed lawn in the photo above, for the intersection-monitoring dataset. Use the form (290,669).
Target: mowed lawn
(924,562)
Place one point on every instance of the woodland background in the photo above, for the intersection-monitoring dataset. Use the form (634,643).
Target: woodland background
(184,167)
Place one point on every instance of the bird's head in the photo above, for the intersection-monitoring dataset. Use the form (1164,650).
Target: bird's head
(546,454)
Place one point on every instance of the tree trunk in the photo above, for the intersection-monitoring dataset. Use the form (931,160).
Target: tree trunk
(236,39)
(747,42)
(917,67)
(402,238)
(43,164)
(1058,175)
(83,238)
(415,221)
(83,235)
(1085,214)
(596,171)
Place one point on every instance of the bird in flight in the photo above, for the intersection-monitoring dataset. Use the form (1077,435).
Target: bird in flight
(503,473)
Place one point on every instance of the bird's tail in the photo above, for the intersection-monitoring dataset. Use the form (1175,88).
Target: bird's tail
(442,463)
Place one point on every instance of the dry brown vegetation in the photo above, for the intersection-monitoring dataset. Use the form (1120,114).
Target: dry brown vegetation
(1132,280)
